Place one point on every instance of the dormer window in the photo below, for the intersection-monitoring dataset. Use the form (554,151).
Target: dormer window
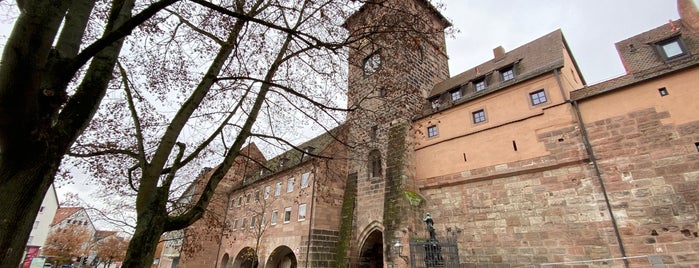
(479,84)
(672,48)
(372,63)
(282,162)
(507,74)
(434,102)
(455,94)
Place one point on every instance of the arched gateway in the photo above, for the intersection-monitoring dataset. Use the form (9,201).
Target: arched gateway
(371,254)
(282,257)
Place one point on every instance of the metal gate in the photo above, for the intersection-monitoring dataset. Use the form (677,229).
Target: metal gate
(425,253)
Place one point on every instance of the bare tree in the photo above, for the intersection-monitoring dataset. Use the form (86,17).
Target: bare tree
(110,249)
(64,243)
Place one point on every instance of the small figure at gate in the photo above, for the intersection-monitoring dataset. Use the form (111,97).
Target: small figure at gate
(430,226)
(433,251)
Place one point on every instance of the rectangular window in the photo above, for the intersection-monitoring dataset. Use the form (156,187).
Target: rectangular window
(372,63)
(672,48)
(41,209)
(455,95)
(304,179)
(431,131)
(243,223)
(36,225)
(287,215)
(434,103)
(663,91)
(275,215)
(257,195)
(253,219)
(507,74)
(479,85)
(278,189)
(267,192)
(240,200)
(478,116)
(247,198)
(696,144)
(538,97)
(290,185)
(302,212)
(235,224)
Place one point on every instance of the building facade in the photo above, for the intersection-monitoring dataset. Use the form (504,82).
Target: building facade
(42,225)
(518,160)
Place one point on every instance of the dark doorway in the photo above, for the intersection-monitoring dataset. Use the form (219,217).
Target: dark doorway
(282,257)
(372,251)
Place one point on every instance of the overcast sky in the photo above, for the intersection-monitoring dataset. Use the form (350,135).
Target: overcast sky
(591,28)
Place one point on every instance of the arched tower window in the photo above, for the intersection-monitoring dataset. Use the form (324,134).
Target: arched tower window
(374,163)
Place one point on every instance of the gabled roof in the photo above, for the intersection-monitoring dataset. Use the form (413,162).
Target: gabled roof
(64,213)
(296,156)
(101,234)
(534,58)
(642,60)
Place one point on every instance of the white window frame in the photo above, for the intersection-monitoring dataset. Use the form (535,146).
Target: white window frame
(278,189)
(267,191)
(275,216)
(287,214)
(290,185)
(302,212)
(305,177)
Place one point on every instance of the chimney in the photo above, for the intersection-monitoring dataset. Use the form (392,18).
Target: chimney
(499,51)
(688,14)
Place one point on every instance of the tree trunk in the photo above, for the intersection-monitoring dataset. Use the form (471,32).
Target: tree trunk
(24,184)
(150,225)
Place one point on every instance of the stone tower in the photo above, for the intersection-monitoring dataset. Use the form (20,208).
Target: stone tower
(398,55)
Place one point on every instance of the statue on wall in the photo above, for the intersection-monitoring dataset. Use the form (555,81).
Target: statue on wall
(430,226)
(433,251)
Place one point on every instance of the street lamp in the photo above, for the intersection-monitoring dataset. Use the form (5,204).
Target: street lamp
(399,249)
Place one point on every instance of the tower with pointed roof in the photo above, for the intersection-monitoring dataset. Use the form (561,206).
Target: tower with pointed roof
(398,55)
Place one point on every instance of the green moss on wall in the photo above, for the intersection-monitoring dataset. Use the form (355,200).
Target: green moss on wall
(345,235)
(414,198)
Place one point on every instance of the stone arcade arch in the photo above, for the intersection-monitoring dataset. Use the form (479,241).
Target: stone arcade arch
(245,258)
(282,257)
(371,253)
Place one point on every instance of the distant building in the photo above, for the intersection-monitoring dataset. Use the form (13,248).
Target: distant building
(40,230)
(518,160)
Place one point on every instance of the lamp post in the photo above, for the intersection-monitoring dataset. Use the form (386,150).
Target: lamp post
(399,249)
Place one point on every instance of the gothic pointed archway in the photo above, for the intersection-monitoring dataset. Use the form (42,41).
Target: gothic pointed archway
(371,254)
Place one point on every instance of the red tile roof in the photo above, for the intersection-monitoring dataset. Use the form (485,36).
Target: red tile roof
(64,213)
(642,60)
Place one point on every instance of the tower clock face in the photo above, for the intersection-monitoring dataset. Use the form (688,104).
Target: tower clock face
(372,63)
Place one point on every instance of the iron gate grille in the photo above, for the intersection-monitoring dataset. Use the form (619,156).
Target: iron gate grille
(427,254)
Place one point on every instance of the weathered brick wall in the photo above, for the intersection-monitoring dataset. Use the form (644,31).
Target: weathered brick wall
(541,210)
(322,249)
(651,170)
